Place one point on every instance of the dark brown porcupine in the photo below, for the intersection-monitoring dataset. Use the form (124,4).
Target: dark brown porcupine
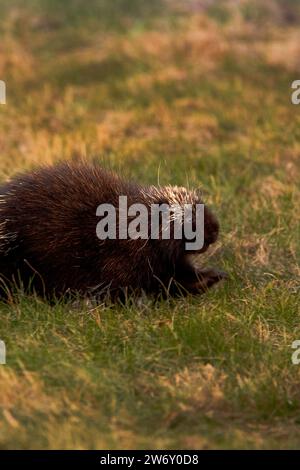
(48,238)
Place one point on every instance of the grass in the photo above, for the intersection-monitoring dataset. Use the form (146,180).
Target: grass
(192,95)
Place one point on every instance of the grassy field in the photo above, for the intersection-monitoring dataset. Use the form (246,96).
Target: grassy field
(192,93)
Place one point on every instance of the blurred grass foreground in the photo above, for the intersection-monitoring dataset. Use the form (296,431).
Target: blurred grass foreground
(193,92)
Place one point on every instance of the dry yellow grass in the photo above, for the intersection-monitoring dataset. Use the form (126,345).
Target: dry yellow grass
(191,94)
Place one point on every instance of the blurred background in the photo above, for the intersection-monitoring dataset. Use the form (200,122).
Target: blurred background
(187,85)
(190,92)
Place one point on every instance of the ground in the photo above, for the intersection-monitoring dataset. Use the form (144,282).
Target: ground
(192,93)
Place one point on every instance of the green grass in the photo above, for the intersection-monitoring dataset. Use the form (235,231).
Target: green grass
(169,93)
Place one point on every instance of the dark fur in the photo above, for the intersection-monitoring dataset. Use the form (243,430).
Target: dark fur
(48,236)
